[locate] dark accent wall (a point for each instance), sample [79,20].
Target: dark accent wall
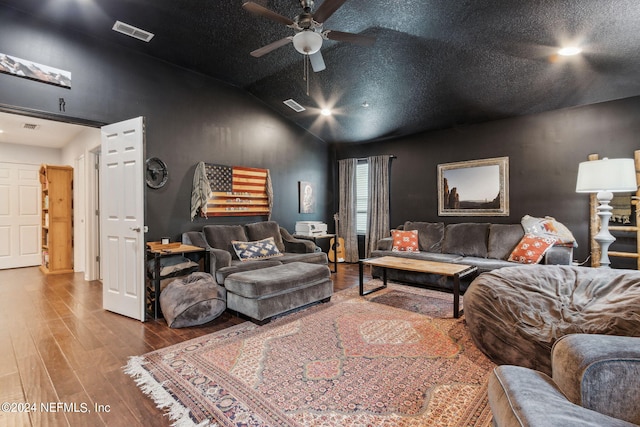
[543,149]
[189,118]
[192,118]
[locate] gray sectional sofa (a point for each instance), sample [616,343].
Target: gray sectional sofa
[484,245]
[267,283]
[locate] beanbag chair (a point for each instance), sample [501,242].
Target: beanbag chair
[192,300]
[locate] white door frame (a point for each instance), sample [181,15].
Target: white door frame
[92,270]
[79,214]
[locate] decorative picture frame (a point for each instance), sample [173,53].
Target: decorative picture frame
[474,188]
[27,69]
[307,197]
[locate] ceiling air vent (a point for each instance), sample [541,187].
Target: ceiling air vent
[30,126]
[294,105]
[132,31]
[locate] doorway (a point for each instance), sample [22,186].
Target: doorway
[33,138]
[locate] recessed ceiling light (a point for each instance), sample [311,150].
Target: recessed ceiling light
[325,112]
[569,51]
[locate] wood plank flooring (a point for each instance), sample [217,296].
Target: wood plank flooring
[62,354]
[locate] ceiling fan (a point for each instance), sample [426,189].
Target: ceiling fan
[309,33]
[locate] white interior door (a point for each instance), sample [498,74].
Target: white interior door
[19,215]
[122,218]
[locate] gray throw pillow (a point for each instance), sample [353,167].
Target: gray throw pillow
[430,235]
[466,239]
[503,238]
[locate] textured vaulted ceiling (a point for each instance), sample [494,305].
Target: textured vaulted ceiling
[435,64]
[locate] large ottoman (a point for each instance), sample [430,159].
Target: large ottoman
[515,314]
[267,292]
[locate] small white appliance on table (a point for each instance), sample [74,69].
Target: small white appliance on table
[311,228]
[314,231]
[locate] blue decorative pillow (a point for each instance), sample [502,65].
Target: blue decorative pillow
[261,249]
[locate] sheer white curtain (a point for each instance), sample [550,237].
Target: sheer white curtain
[347,209]
[378,202]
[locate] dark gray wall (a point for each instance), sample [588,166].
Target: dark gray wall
[543,149]
[189,118]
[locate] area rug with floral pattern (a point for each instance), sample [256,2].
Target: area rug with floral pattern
[350,362]
[408,297]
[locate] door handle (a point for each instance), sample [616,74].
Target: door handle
[135,229]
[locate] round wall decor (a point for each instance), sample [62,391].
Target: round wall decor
[157,173]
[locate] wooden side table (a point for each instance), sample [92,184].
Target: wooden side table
[155,252]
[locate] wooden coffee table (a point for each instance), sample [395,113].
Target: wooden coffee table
[456,271]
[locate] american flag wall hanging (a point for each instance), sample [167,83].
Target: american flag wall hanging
[237,191]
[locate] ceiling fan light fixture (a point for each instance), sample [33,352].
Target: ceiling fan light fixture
[307,42]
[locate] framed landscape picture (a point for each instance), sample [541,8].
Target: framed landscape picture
[474,188]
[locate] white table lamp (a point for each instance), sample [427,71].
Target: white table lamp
[605,177]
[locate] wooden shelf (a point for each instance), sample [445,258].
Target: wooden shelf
[45,270]
[623,228]
[57,219]
[623,254]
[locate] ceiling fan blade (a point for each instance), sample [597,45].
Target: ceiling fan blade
[341,36]
[326,9]
[267,13]
[271,46]
[317,62]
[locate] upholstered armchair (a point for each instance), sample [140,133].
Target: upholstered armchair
[595,382]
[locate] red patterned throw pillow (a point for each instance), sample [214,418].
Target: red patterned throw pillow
[531,249]
[405,241]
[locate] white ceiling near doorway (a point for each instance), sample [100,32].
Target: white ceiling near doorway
[17,129]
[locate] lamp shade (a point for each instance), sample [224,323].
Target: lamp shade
[614,175]
[307,42]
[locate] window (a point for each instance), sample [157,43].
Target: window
[362,195]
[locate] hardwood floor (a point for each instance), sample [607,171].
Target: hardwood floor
[62,354]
